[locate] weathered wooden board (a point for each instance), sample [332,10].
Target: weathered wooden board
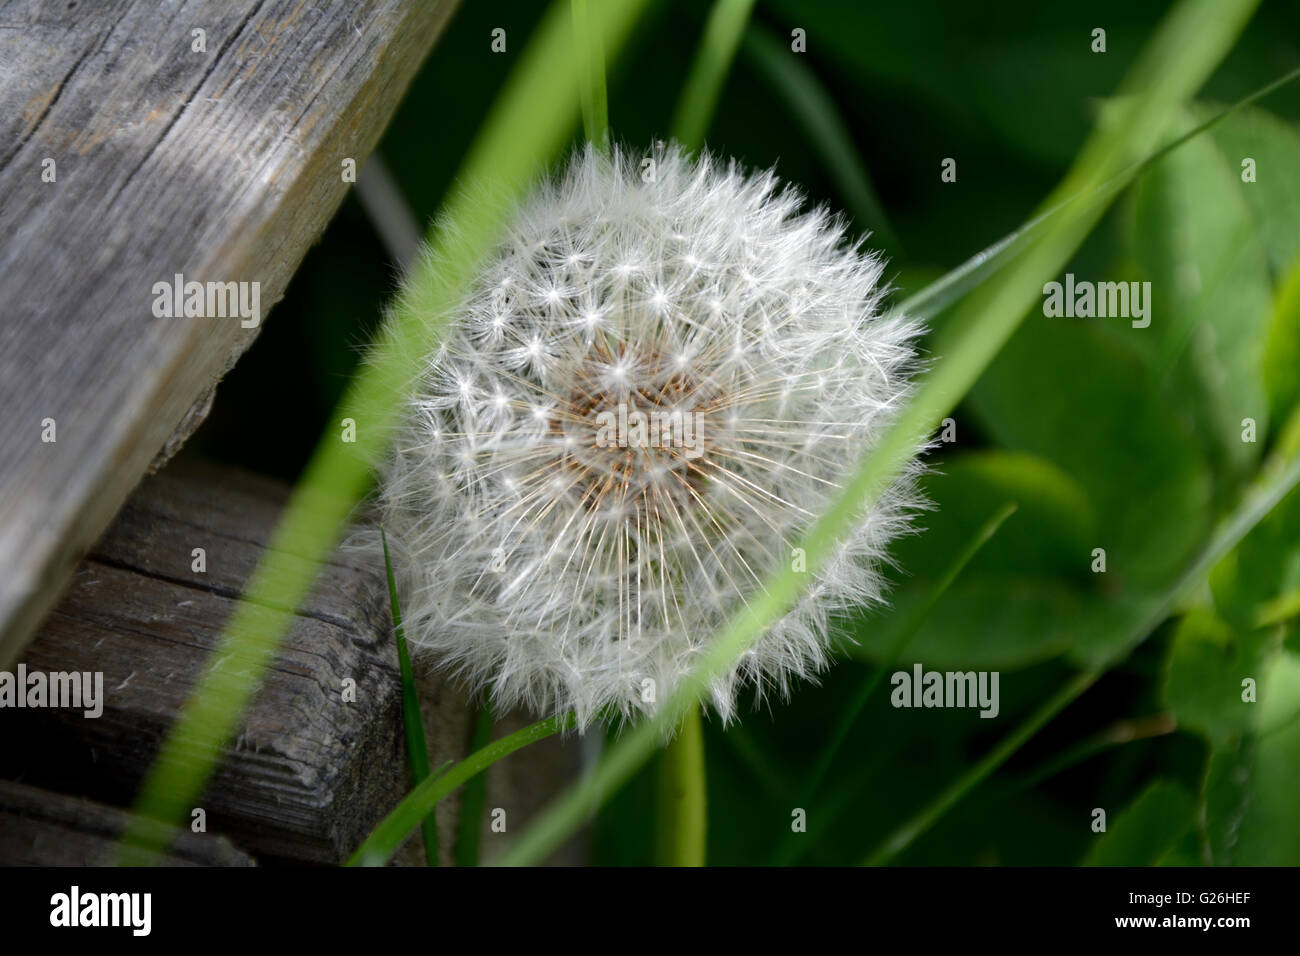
[40,828]
[314,767]
[130,153]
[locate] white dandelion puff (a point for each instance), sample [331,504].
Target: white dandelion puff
[641,407]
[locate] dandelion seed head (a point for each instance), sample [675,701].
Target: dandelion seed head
[735,344]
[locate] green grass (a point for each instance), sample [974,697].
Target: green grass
[811,107]
[474,798]
[709,71]
[417,747]
[383,842]
[1277,480]
[850,714]
[591,73]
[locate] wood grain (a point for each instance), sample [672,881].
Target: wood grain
[311,772]
[222,165]
[40,828]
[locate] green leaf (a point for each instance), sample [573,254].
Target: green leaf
[1252,587]
[1277,480]
[1045,120]
[1195,239]
[1270,829]
[1225,795]
[1146,830]
[989,622]
[384,840]
[911,623]
[591,56]
[1203,683]
[1058,390]
[1282,352]
[1026,595]
[474,799]
[1207,662]
[1274,197]
[929,302]
[1050,533]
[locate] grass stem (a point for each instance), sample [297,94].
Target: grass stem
[709,71]
[591,76]
[416,743]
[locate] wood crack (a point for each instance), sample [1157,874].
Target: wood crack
[51,103]
[190,94]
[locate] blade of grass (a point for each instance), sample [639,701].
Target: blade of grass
[591,73]
[709,71]
[811,106]
[944,291]
[1119,733]
[527,126]
[1187,45]
[384,840]
[904,836]
[474,798]
[416,744]
[1264,495]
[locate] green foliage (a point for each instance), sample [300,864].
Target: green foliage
[1225,795]
[1062,391]
[1270,826]
[1282,350]
[1028,595]
[709,71]
[1208,660]
[1273,198]
[417,747]
[1145,831]
[1229,678]
[811,106]
[1196,241]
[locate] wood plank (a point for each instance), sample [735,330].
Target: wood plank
[311,772]
[40,828]
[219,165]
